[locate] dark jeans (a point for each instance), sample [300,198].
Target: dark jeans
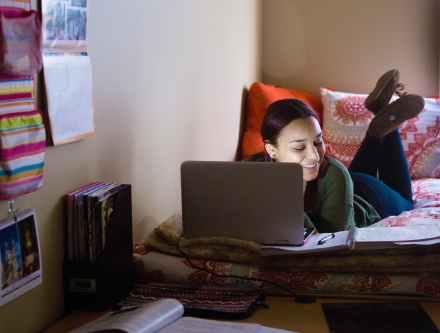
[381,176]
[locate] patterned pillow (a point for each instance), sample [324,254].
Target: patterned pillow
[345,122]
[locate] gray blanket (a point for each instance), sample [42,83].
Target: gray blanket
[419,261]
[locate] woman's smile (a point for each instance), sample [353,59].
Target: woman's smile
[310,166]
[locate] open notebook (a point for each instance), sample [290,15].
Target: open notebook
[255,201]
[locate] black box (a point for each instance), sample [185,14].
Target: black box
[94,286]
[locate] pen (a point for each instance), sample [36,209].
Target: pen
[326,238]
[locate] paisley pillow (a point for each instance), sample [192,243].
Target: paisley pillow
[345,122]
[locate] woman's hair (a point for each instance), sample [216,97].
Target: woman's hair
[280,114]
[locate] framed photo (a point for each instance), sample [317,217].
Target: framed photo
[20,255]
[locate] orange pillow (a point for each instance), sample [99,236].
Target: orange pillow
[260,96]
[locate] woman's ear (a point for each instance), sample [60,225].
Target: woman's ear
[270,149]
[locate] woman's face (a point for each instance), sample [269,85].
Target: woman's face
[300,142]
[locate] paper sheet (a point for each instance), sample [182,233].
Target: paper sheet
[398,234]
[68,81]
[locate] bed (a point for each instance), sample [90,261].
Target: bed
[344,119]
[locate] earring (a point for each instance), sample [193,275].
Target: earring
[274,156]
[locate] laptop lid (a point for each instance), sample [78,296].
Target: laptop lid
[256,201]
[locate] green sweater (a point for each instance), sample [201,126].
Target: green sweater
[339,208]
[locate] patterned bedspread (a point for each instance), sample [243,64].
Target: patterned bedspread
[153,265]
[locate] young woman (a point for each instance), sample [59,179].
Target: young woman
[377,183]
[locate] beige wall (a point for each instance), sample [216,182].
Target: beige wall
[347,44]
[168,80]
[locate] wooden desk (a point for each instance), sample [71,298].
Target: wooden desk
[283,313]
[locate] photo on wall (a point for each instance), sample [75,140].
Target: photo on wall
[64,23]
[20,255]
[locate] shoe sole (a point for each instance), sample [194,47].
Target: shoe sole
[402,109]
[375,102]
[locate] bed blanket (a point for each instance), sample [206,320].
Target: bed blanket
[421,260]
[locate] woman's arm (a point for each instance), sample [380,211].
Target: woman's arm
[335,210]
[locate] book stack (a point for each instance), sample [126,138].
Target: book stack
[89,214]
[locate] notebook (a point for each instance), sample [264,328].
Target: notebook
[255,201]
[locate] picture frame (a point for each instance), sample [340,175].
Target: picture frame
[20,255]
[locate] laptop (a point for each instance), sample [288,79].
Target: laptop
[254,201]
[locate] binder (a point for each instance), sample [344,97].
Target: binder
[94,286]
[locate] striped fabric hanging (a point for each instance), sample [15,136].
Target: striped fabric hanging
[22,151]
